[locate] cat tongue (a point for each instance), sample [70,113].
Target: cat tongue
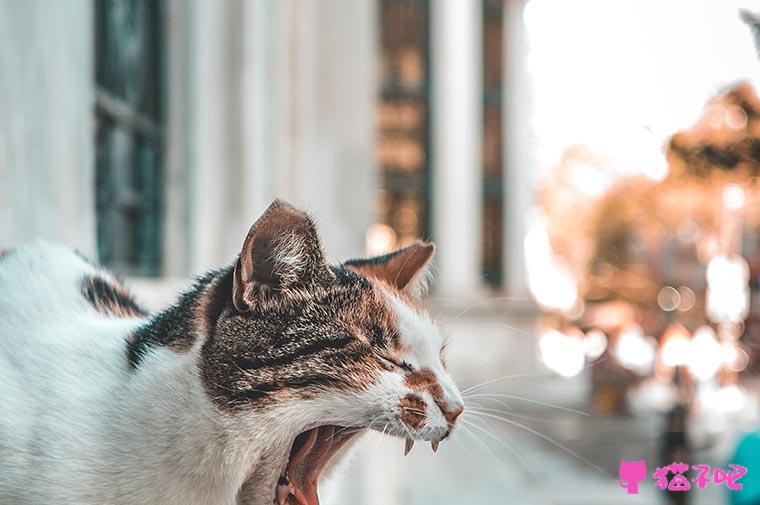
[311,451]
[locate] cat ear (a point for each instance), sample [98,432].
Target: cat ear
[281,250]
[405,269]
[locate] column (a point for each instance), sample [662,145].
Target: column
[457,145]
[519,164]
[47,173]
[309,94]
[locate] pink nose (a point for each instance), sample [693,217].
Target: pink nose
[451,415]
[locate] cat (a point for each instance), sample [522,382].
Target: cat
[247,390]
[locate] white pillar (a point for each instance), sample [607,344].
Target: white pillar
[309,93]
[205,221]
[457,144]
[47,176]
[268,102]
[336,91]
[519,164]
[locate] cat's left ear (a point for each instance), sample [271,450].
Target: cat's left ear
[281,250]
[406,269]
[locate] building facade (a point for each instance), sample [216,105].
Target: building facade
[152,134]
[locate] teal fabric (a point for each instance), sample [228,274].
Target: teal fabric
[748,455]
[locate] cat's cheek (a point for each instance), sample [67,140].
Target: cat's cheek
[383,397]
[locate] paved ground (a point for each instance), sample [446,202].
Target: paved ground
[491,461]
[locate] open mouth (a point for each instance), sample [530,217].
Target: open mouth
[311,452]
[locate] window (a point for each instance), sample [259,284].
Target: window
[493,173]
[403,118]
[129,134]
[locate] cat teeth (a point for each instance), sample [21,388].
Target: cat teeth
[408,446]
[283,491]
[434,445]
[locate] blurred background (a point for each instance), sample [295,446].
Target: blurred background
[588,168]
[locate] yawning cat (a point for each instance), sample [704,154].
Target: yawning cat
[242,392]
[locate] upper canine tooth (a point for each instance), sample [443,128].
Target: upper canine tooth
[408,446]
[434,445]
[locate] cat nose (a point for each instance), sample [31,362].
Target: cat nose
[452,414]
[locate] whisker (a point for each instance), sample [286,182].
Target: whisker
[512,383]
[516,376]
[485,447]
[497,379]
[372,459]
[414,411]
[406,428]
[504,325]
[470,352]
[461,448]
[529,400]
[506,445]
[512,414]
[496,400]
[484,302]
[545,437]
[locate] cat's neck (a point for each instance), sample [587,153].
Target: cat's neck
[185,449]
[168,443]
[191,318]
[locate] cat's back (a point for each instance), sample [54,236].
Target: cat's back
[38,280]
[63,329]
[58,311]
[43,283]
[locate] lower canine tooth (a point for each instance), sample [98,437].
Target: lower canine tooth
[408,446]
[434,445]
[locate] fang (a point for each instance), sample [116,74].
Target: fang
[408,446]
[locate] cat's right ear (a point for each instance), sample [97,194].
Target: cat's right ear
[281,250]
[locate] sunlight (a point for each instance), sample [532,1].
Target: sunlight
[601,79]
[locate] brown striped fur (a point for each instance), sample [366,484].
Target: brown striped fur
[413,411]
[110,297]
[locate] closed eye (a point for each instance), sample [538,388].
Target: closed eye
[398,364]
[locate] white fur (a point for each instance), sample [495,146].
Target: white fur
[423,343]
[78,427]
[290,257]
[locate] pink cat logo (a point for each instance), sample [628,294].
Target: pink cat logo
[631,473]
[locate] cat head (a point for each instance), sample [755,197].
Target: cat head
[331,348]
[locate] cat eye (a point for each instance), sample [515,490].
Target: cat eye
[398,364]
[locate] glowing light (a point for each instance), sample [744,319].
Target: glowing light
[563,354]
[688,231]
[733,356]
[576,311]
[676,346]
[654,394]
[589,179]
[705,353]
[663,94]
[725,400]
[635,351]
[641,152]
[727,288]
[595,344]
[688,299]
[379,239]
[731,330]
[736,118]
[668,298]
[549,281]
[733,196]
